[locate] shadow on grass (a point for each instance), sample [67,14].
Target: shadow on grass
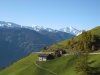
[71,61]
[92,61]
[94,71]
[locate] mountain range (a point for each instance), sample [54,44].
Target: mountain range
[17,41]
[37,28]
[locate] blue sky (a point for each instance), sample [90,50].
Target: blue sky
[81,14]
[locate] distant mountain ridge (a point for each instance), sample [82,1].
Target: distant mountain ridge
[53,34]
[69,30]
[9,24]
[37,28]
[16,43]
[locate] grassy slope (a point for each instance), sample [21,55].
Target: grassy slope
[61,66]
[96,31]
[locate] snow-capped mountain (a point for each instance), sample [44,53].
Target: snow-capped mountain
[8,24]
[37,28]
[52,33]
[41,28]
[71,30]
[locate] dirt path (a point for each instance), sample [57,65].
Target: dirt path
[89,53]
[93,53]
[45,69]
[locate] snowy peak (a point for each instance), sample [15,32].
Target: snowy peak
[8,24]
[38,28]
[71,30]
[41,28]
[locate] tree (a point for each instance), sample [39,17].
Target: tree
[82,65]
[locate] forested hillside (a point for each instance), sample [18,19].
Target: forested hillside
[88,40]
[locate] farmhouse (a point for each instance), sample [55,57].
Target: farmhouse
[43,57]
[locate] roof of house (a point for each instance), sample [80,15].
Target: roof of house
[43,55]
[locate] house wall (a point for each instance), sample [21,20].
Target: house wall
[42,59]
